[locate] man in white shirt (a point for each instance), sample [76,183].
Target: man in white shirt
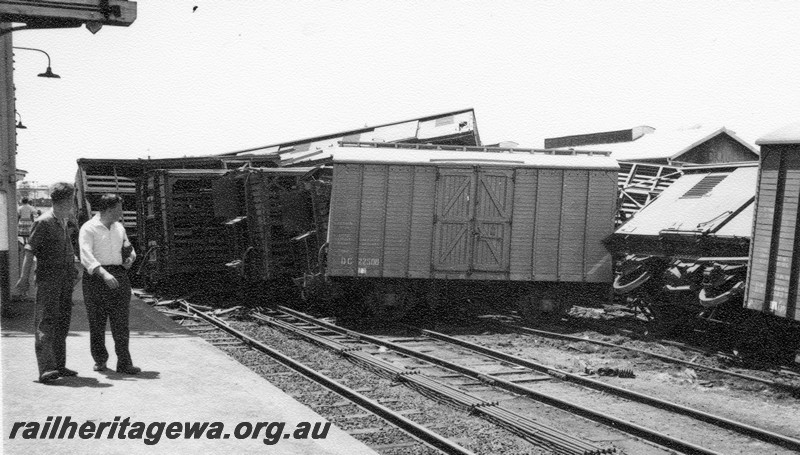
[106,289]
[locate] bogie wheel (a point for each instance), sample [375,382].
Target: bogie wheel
[626,284]
[347,302]
[368,304]
[387,304]
[544,303]
[430,305]
[527,308]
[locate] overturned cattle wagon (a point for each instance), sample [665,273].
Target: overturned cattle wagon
[97,176]
[276,222]
[640,184]
[687,251]
[684,259]
[413,223]
[179,229]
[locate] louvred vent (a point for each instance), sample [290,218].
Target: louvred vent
[704,186]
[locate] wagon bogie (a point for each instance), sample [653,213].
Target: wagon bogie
[375,302]
[552,301]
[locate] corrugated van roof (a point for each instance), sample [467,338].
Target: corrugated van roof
[516,158]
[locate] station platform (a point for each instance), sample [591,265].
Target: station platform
[183,379]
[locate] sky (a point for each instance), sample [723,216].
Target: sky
[234,74]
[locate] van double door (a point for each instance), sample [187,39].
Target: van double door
[473,221]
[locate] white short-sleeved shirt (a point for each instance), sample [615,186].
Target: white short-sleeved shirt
[102,246]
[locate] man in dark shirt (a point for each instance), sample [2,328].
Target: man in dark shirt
[52,243]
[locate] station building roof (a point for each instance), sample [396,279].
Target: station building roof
[647,143]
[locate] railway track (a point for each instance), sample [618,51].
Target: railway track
[538,433]
[554,392]
[645,331]
[207,323]
[221,334]
[788,379]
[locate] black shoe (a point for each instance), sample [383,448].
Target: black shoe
[67,372]
[100,367]
[49,376]
[128,369]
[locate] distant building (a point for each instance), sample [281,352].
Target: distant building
[38,195]
[644,144]
[651,160]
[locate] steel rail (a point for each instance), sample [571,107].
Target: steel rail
[778,385]
[592,325]
[528,429]
[598,416]
[745,429]
[781,370]
[418,431]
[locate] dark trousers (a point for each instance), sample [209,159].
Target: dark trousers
[106,304]
[53,313]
